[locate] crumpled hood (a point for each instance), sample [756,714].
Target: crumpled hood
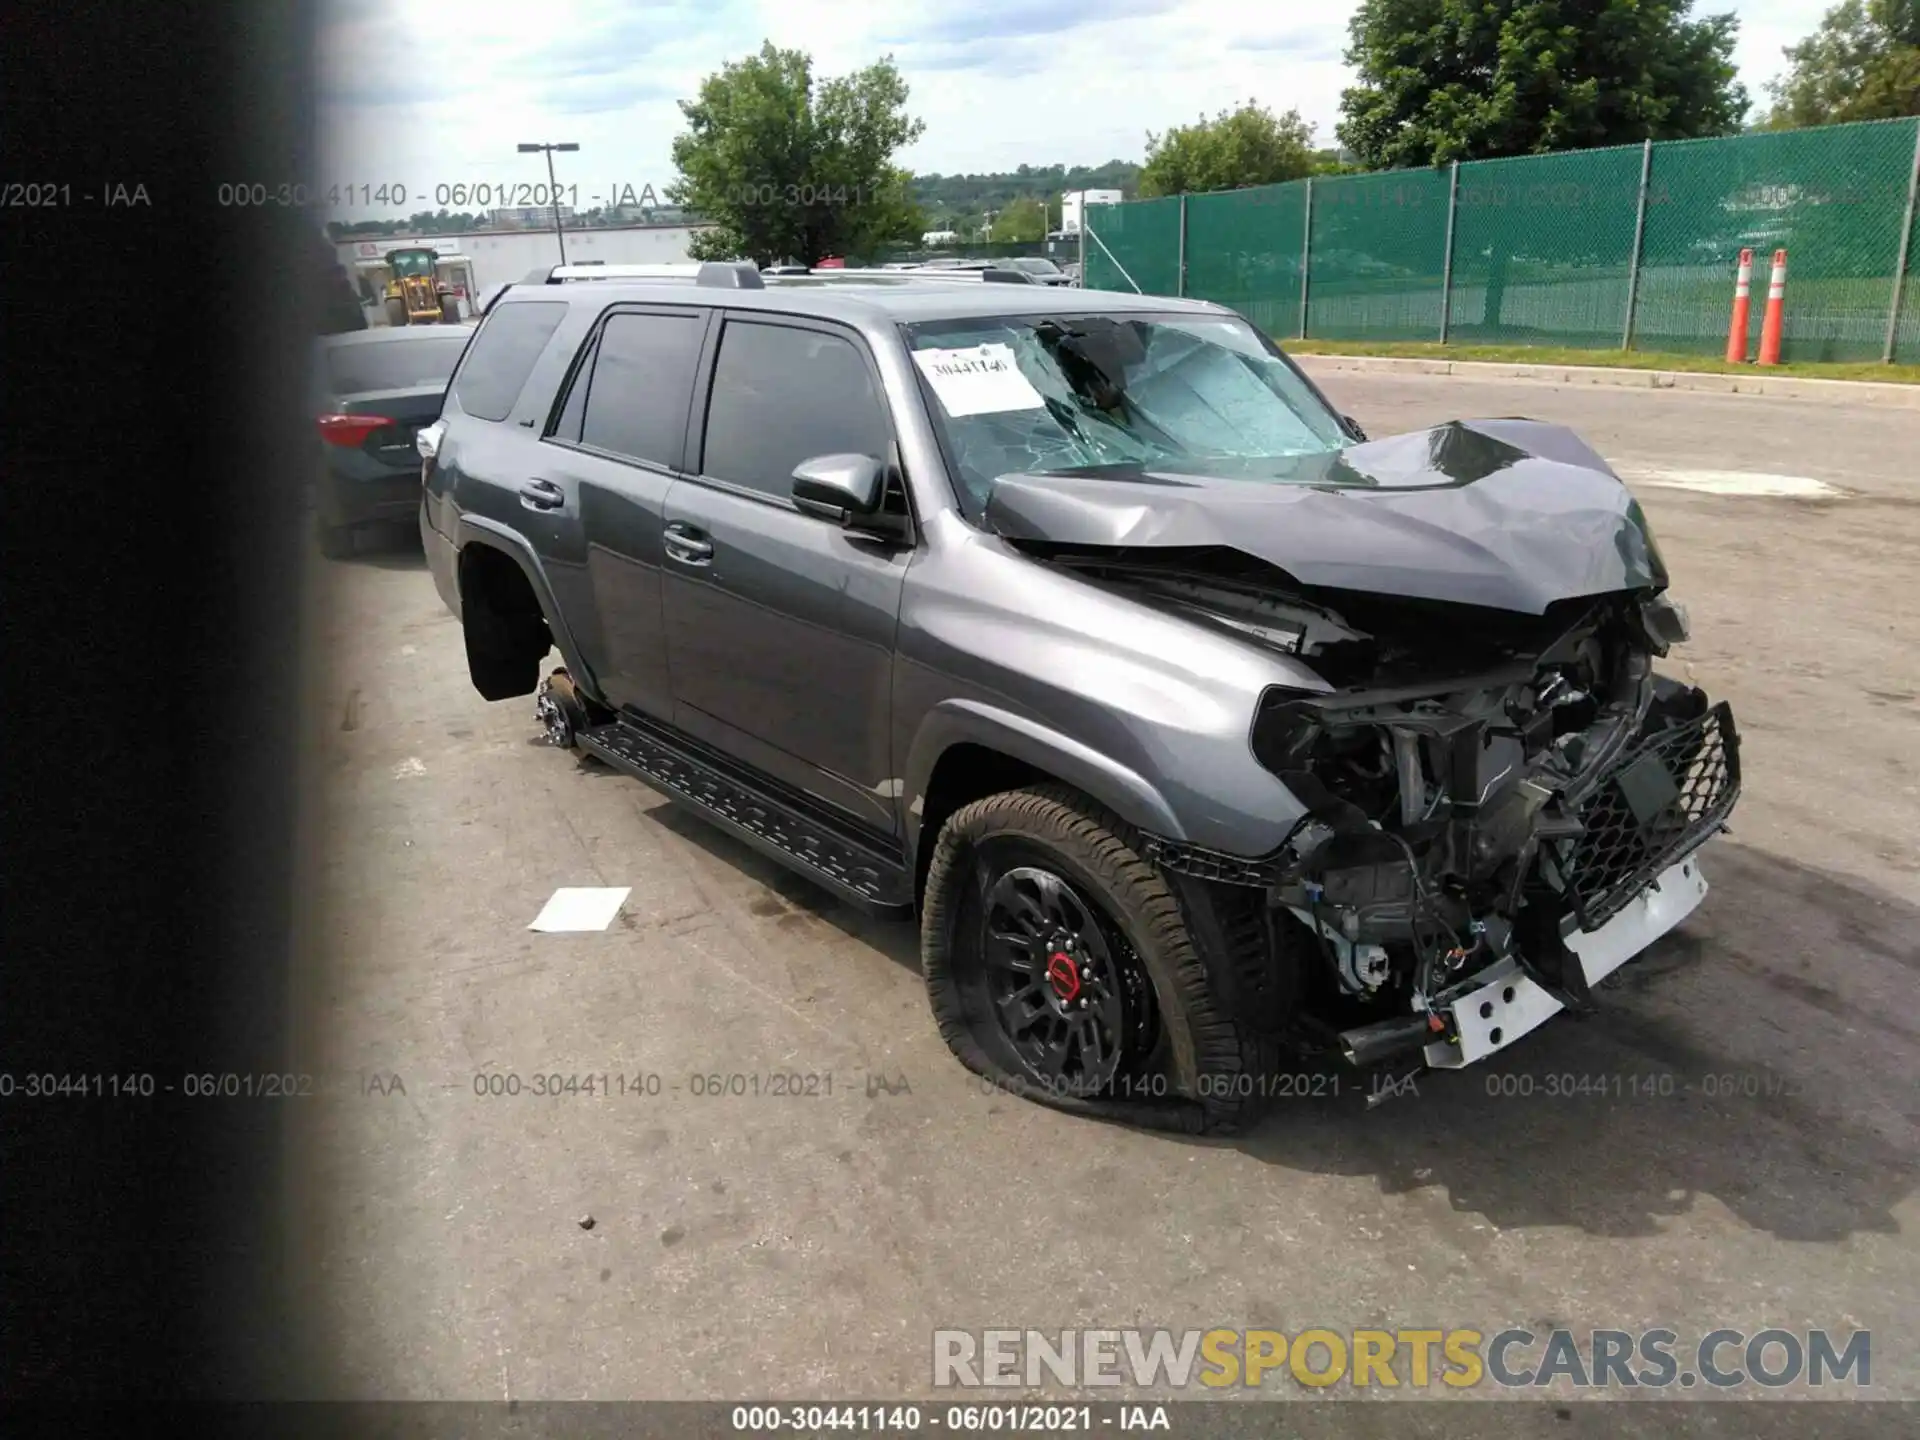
[1511,514]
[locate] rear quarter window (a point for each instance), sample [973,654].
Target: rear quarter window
[503,354]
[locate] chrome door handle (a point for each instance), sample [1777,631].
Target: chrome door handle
[542,495]
[685,546]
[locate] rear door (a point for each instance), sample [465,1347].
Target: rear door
[616,444]
[491,466]
[481,443]
[780,626]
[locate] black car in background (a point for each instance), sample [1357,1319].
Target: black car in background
[375,389]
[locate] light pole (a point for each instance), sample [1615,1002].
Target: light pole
[553,188]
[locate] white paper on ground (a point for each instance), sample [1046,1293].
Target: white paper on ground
[581,908]
[983,380]
[1734,482]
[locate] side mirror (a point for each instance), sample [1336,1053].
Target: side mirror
[840,488]
[1353,425]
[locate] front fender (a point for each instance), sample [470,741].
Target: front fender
[478,529]
[961,722]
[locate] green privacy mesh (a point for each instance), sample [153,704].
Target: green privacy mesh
[1543,246]
[1134,246]
[1378,252]
[1834,199]
[1244,249]
[1542,249]
[1906,342]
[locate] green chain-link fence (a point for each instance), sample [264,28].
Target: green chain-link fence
[1543,248]
[1243,252]
[1627,247]
[1135,246]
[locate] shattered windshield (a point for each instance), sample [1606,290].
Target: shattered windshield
[1087,394]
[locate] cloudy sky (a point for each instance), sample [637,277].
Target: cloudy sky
[424,93]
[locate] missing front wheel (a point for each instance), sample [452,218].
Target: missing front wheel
[559,710]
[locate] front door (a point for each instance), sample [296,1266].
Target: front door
[781,626]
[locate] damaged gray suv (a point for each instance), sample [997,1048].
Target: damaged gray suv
[1196,729]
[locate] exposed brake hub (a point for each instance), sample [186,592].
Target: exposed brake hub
[559,711]
[1063,975]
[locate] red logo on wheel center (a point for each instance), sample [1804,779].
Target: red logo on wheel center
[1064,974]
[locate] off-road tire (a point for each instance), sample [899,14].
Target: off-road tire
[449,310]
[396,312]
[1221,998]
[504,649]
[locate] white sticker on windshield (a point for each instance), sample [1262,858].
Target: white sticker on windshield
[984,380]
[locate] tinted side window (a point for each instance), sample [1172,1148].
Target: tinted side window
[642,380]
[503,355]
[782,395]
[575,410]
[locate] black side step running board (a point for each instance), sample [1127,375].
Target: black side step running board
[859,872]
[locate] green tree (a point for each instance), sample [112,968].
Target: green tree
[1235,149]
[1863,63]
[1444,80]
[893,216]
[784,168]
[959,200]
[1023,221]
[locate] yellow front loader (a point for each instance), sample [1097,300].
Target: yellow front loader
[416,295]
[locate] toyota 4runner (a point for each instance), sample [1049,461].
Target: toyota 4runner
[1193,726]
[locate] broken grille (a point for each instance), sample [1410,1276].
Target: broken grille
[1203,864]
[1667,795]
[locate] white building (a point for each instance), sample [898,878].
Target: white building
[527,215]
[940,237]
[1074,203]
[495,257]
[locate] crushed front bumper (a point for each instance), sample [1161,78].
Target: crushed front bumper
[1631,876]
[1509,1004]
[1610,866]
[1659,802]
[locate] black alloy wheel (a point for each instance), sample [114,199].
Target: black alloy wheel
[1064,968]
[1063,991]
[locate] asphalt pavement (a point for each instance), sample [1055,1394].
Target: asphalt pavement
[743,1241]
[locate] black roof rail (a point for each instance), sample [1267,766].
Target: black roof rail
[730,275]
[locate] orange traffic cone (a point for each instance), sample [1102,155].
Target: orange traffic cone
[1742,311]
[1776,306]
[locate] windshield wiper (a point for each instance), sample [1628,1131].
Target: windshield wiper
[1063,412]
